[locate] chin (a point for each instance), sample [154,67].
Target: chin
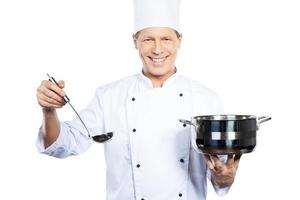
[158,71]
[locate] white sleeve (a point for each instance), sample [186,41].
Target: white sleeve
[73,137]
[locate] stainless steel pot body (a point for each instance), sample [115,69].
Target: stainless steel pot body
[225,134]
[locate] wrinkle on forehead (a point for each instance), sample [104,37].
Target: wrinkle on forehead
[155,32]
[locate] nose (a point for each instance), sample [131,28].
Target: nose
[157,48]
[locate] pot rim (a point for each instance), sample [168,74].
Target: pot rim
[230,117]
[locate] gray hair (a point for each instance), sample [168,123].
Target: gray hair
[136,35]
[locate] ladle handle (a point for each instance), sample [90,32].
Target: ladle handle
[66,98]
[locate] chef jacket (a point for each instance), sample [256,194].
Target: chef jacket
[150,156]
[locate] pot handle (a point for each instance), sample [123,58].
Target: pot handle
[262,119]
[192,134]
[187,122]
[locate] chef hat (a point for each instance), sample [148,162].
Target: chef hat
[156,13]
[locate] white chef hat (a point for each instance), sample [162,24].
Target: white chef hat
[156,13]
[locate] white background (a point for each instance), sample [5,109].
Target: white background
[247,51]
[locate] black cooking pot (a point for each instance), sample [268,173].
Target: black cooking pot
[225,134]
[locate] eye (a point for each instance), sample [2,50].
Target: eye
[147,40]
[167,39]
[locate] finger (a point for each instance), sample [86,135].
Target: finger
[45,104]
[218,162]
[237,156]
[209,163]
[237,159]
[230,160]
[50,94]
[61,84]
[207,158]
[43,97]
[52,86]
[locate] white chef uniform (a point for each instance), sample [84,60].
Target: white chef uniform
[150,155]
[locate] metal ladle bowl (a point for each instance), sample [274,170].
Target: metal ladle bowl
[97,138]
[103,137]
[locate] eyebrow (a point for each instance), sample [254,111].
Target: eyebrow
[168,36]
[136,35]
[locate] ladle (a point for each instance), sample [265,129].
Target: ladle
[97,138]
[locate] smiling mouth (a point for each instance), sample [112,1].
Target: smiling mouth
[158,60]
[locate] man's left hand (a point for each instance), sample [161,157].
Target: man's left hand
[222,174]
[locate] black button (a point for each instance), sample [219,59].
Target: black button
[180,194]
[138,165]
[142,199]
[184,125]
[134,130]
[133,99]
[180,94]
[182,160]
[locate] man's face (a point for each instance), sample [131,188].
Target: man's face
[157,49]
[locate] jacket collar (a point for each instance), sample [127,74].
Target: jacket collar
[147,83]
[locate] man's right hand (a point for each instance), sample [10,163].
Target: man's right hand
[50,96]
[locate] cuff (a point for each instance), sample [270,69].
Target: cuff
[53,149]
[221,191]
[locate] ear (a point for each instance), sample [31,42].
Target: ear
[179,40]
[134,41]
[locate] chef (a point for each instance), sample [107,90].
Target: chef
[150,156]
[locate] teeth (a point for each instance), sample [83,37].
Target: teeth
[158,59]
